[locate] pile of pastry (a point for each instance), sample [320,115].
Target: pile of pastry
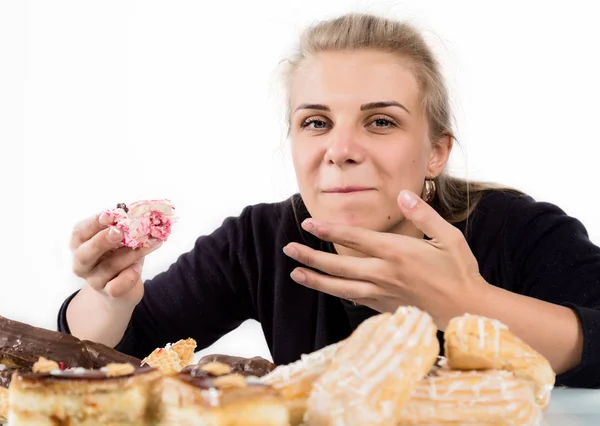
[386,373]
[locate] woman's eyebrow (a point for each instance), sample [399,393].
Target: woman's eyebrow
[383,104]
[319,107]
[364,107]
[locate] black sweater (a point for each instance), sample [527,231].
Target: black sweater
[239,272]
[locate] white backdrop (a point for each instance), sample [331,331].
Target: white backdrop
[104,102]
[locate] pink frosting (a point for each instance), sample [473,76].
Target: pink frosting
[145,223]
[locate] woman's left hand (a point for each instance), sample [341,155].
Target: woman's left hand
[439,276]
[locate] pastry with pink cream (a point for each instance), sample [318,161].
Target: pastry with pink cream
[143,223]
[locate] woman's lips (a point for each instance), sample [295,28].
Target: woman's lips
[347,190]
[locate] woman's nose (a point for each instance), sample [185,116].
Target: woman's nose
[343,149]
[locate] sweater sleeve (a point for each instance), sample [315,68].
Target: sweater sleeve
[550,257]
[203,295]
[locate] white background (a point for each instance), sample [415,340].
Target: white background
[105,102]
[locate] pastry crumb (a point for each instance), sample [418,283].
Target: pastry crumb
[216,368]
[44,365]
[231,381]
[115,370]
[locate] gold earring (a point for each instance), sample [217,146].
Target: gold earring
[429,190]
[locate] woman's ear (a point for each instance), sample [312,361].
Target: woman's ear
[440,154]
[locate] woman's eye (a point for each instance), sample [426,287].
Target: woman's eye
[314,124]
[383,122]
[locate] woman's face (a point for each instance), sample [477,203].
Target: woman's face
[359,137]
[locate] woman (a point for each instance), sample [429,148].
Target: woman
[377,224]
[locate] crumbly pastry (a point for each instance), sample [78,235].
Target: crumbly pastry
[295,381]
[200,399]
[173,357]
[115,395]
[478,343]
[373,374]
[143,223]
[483,398]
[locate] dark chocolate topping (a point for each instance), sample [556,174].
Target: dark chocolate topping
[102,355]
[255,366]
[197,378]
[6,376]
[123,206]
[22,344]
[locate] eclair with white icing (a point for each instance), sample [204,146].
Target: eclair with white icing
[478,343]
[373,374]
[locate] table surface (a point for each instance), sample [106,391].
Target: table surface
[573,407]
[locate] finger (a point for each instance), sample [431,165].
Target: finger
[363,269]
[340,287]
[372,243]
[87,255]
[125,281]
[426,219]
[87,228]
[115,263]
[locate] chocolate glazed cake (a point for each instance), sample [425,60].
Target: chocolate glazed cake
[21,346]
[102,355]
[255,366]
[115,395]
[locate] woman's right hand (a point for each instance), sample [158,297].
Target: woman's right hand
[107,266]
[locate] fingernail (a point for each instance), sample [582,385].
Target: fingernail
[104,219]
[290,251]
[114,235]
[298,276]
[308,224]
[137,268]
[408,199]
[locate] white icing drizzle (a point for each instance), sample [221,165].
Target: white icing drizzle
[2,367]
[481,326]
[253,380]
[73,370]
[496,339]
[432,389]
[211,396]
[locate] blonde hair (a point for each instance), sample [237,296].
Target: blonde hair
[455,198]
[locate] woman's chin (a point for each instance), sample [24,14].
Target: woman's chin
[372,218]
